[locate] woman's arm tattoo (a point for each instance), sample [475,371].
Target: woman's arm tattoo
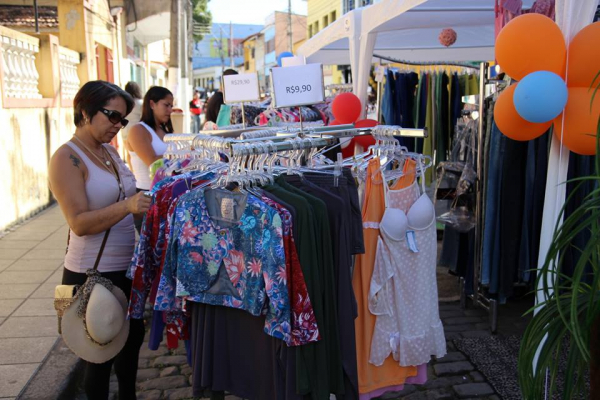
[76,161]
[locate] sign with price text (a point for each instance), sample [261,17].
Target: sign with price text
[240,88]
[298,85]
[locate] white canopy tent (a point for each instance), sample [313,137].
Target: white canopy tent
[409,29]
[405,30]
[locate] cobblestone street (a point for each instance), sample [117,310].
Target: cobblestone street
[164,374]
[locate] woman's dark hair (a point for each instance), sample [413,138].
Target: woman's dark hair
[133,89]
[156,94]
[93,96]
[212,108]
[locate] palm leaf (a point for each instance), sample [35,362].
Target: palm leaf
[562,323]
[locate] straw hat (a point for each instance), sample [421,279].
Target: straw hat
[106,322]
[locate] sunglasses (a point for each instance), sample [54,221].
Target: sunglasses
[115,117]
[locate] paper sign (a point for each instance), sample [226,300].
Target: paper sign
[298,85]
[379,71]
[240,88]
[293,61]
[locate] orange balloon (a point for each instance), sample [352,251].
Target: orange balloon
[584,57]
[510,122]
[531,42]
[580,122]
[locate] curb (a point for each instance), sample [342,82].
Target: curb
[57,377]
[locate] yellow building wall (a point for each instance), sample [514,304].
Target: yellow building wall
[85,24]
[32,135]
[34,129]
[249,61]
[320,14]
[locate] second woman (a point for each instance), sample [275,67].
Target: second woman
[145,139]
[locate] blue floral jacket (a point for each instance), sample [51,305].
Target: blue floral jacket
[251,253]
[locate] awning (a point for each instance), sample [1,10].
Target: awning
[406,30]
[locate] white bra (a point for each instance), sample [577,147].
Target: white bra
[395,222]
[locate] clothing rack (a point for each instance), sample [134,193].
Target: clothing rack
[478,297]
[423,63]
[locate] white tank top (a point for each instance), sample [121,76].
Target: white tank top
[102,190]
[140,169]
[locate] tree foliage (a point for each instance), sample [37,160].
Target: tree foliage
[202,18]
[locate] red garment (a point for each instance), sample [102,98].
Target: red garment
[505,11]
[303,321]
[196,107]
[544,7]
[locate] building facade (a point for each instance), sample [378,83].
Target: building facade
[40,73]
[260,50]
[222,48]
[321,13]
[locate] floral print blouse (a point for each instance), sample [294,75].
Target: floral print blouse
[251,254]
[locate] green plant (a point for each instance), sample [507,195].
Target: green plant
[568,321]
[202,19]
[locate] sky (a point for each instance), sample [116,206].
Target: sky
[251,11]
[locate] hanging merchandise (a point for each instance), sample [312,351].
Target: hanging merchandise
[242,238]
[455,187]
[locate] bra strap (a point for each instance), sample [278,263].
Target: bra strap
[421,172]
[385,188]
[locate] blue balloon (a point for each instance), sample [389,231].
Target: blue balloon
[540,96]
[283,55]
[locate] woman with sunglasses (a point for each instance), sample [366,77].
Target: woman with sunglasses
[96,192]
[146,137]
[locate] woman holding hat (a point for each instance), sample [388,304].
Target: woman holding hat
[97,194]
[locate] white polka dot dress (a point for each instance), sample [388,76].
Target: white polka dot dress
[403,293]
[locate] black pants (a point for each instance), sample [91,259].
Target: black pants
[97,376]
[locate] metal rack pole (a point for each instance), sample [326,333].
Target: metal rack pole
[479,299]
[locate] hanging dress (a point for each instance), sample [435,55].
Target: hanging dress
[390,373]
[403,291]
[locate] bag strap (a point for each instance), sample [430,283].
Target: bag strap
[101,249]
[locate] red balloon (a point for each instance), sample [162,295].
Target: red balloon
[335,122]
[365,123]
[346,108]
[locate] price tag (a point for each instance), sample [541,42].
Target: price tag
[298,85]
[379,71]
[240,88]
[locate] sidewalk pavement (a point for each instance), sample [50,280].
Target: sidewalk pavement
[33,360]
[31,259]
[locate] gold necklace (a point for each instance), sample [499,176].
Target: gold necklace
[105,163]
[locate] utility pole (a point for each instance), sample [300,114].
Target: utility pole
[231,49]
[174,71]
[221,48]
[290,26]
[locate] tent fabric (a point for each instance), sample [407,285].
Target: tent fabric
[405,30]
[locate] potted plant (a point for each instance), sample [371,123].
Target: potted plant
[567,323]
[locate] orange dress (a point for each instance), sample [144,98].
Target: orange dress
[371,377]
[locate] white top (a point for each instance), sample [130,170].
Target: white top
[102,190]
[403,292]
[140,169]
[134,117]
